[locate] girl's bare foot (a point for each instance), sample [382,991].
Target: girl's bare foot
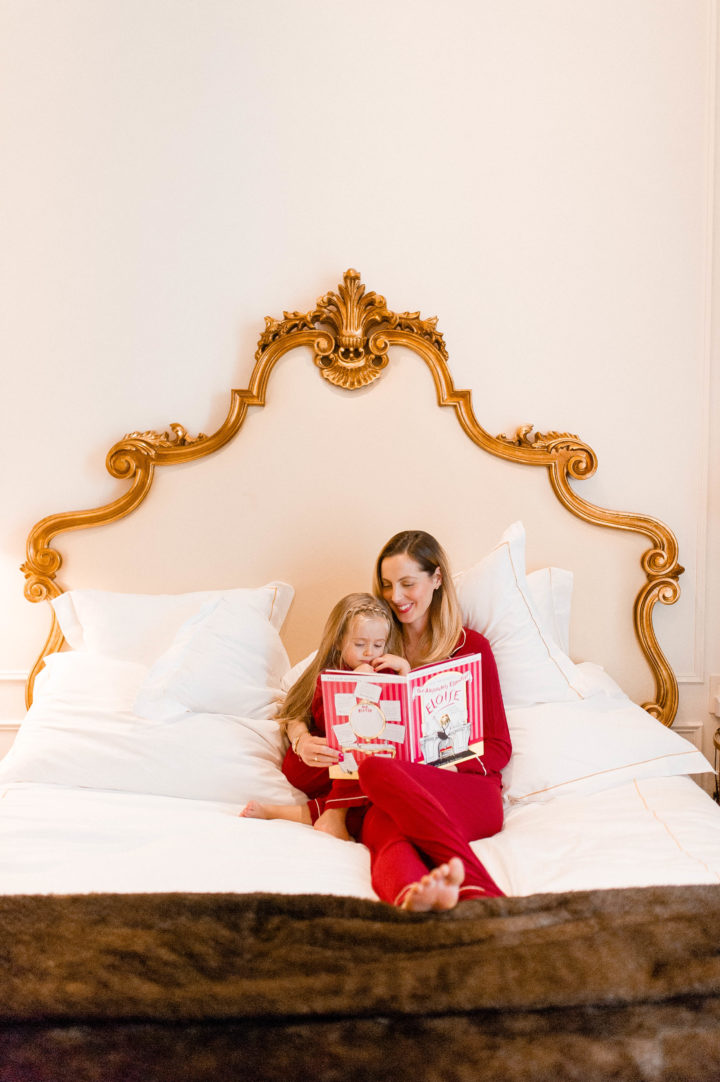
[439,889]
[293,813]
[332,821]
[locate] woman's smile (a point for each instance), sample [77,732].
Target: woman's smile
[407,588]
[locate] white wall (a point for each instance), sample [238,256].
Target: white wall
[538,173]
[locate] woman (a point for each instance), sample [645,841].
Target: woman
[420,819]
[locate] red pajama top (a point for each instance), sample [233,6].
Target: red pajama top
[325,792]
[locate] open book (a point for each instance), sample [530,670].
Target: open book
[433,715]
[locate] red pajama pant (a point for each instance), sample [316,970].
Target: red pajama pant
[421,816]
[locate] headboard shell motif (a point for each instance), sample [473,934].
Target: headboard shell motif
[350,333]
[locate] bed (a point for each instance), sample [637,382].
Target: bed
[152,932]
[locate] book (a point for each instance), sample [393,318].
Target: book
[433,715]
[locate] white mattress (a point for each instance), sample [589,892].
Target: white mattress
[55,839]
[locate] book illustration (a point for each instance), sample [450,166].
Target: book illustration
[432,716]
[444,710]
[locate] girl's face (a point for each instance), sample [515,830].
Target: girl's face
[408,589]
[364,640]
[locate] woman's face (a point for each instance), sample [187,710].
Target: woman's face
[408,589]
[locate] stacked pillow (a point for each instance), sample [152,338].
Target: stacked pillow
[166,694]
[573,730]
[496,599]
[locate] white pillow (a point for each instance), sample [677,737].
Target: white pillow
[495,600]
[226,659]
[140,627]
[598,682]
[551,590]
[81,732]
[607,740]
[293,675]
[78,679]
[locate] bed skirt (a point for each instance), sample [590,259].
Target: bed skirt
[621,984]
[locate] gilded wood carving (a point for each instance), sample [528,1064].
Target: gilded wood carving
[350,332]
[354,351]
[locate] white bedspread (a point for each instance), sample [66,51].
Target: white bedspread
[649,831]
[62,840]
[55,839]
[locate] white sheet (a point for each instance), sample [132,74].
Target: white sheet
[61,840]
[645,832]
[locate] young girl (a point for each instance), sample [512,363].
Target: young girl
[357,635]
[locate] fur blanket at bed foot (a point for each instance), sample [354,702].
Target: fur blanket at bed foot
[601,985]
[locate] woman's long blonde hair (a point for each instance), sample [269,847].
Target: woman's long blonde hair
[444,616]
[329,654]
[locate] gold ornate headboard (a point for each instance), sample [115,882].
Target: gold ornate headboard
[350,333]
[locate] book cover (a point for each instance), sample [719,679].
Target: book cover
[433,715]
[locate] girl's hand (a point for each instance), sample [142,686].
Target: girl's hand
[315,751]
[363,668]
[400,665]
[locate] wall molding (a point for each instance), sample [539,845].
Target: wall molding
[692,731]
[14,675]
[712,114]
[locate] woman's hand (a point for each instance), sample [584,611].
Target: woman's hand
[315,751]
[400,665]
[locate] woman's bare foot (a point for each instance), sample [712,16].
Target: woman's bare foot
[439,889]
[254,810]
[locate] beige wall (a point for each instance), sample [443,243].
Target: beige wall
[538,173]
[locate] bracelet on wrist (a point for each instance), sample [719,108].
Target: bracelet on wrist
[297,740]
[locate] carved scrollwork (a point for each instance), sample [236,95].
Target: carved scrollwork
[290,324]
[41,567]
[352,349]
[580,460]
[347,358]
[177,436]
[426,329]
[45,563]
[137,451]
[525,437]
[39,587]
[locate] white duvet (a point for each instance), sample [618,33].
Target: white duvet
[62,840]
[96,797]
[645,832]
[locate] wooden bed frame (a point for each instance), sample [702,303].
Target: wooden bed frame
[350,333]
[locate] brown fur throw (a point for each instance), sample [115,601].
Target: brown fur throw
[599,985]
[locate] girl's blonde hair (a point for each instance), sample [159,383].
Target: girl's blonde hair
[329,654]
[445,616]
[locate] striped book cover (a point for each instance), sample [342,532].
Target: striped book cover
[433,715]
